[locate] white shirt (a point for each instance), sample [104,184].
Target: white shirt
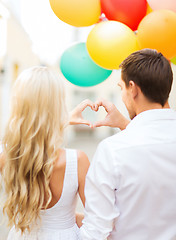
[131,184]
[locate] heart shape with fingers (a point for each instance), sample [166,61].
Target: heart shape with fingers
[113,118]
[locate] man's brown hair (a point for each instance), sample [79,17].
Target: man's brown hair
[151,71]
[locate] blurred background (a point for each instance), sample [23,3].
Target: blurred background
[30,34]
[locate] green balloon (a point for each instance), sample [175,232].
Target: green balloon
[79,69]
[173,60]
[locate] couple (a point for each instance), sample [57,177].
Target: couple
[130,189]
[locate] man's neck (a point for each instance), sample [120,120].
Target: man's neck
[148,106]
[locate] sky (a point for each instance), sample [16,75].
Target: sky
[50,36]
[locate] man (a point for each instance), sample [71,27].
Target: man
[131,184]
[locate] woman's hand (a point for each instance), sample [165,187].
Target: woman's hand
[113,118]
[76,114]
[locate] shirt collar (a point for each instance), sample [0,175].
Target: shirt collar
[152,115]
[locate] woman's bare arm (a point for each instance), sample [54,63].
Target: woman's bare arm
[83,166]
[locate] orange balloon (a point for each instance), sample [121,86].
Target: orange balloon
[157,31]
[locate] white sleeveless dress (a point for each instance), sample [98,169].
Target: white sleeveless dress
[58,222]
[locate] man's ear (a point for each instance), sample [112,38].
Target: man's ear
[134,89]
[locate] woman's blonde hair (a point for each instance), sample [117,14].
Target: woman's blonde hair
[33,136]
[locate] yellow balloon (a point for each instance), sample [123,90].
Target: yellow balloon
[110,42]
[78,13]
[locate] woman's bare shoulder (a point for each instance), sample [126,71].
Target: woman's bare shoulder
[61,160]
[82,157]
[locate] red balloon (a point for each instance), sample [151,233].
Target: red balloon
[129,12]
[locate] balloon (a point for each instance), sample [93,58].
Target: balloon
[162,4]
[79,13]
[110,42]
[129,12]
[78,68]
[149,10]
[173,60]
[157,30]
[102,18]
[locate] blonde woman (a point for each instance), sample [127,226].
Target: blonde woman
[41,178]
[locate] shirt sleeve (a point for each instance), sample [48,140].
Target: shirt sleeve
[100,208]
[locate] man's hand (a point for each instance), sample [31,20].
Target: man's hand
[113,118]
[76,114]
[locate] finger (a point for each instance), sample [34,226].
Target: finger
[91,126]
[85,104]
[99,124]
[84,122]
[97,104]
[104,103]
[95,107]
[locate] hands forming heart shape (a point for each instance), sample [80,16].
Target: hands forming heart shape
[113,118]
